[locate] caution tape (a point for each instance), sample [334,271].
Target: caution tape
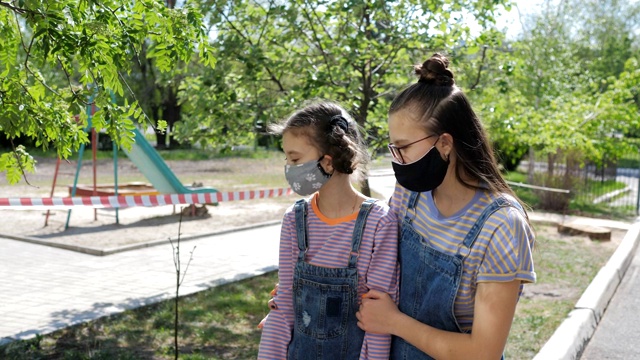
[143,200]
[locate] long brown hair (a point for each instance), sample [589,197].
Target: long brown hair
[443,108]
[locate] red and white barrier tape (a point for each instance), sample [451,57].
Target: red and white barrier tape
[143,200]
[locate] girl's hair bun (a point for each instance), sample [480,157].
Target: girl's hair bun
[435,71]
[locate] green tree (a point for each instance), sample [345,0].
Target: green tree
[606,34]
[359,52]
[558,88]
[58,57]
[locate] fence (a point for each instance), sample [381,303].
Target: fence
[609,188]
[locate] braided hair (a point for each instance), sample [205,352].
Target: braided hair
[333,132]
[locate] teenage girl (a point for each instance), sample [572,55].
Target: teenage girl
[465,249]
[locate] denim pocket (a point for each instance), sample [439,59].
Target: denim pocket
[321,310]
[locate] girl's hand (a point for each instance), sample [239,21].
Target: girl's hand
[272,306]
[378,313]
[264,320]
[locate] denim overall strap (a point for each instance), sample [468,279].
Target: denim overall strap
[300,208]
[465,247]
[411,204]
[358,230]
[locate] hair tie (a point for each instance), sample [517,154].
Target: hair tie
[340,121]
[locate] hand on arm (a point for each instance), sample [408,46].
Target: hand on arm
[378,313]
[382,276]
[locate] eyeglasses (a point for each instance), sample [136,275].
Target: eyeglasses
[397,154]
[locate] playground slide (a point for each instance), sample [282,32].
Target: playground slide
[152,166]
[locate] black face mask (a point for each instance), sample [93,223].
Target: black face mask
[425,174]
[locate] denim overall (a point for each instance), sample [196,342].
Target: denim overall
[326,299]
[429,279]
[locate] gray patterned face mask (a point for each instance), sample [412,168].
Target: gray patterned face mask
[307,178]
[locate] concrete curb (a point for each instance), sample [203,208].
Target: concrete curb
[573,334]
[104,252]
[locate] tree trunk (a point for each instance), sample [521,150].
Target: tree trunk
[171,113]
[532,165]
[551,161]
[364,187]
[161,136]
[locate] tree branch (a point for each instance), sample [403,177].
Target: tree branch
[137,55]
[15,153]
[24,46]
[391,56]
[42,82]
[136,99]
[16,9]
[266,19]
[248,40]
[319,45]
[234,28]
[184,274]
[484,53]
[66,73]
[322,25]
[27,50]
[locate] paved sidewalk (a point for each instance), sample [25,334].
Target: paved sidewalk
[618,334]
[45,289]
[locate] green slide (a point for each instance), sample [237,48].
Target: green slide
[152,166]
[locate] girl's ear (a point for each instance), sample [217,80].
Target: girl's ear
[445,145]
[327,164]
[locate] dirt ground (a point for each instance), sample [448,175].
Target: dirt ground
[97,229]
[545,290]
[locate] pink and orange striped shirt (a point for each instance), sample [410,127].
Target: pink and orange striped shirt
[329,246]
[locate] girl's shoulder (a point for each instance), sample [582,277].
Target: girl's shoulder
[513,213]
[381,211]
[511,202]
[290,212]
[379,205]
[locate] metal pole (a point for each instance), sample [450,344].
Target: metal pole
[75,180]
[115,162]
[80,154]
[94,151]
[638,193]
[53,187]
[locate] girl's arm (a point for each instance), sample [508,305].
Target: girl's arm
[494,310]
[382,275]
[276,332]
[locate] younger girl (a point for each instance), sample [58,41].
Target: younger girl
[334,246]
